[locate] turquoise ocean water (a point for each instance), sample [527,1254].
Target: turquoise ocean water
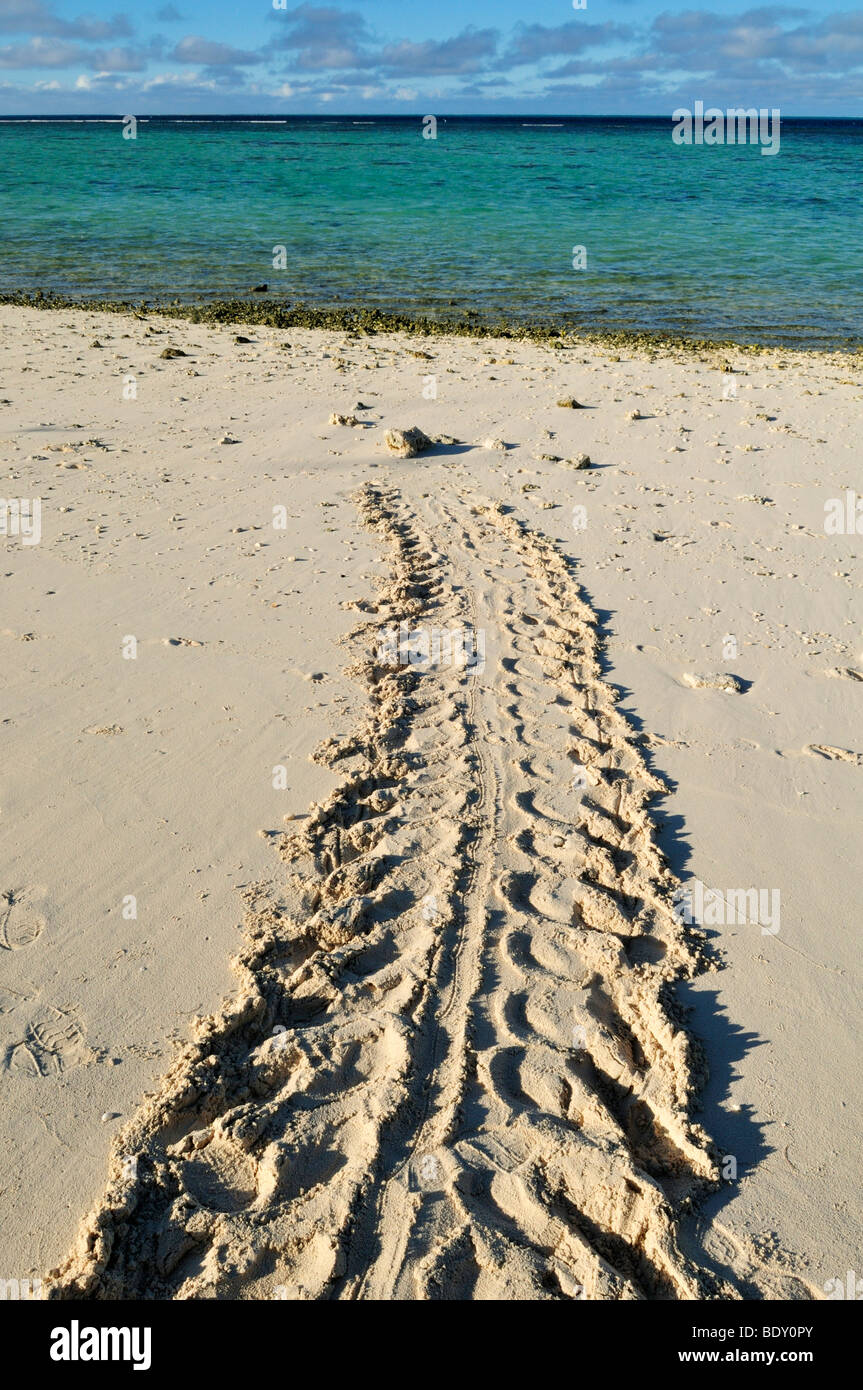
[715,241]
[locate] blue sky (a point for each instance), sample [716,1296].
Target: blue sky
[419,56]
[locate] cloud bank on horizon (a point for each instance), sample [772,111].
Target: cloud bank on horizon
[490,56]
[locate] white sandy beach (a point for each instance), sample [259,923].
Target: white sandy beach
[467,955]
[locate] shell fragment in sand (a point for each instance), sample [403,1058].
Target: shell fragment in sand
[845,673]
[842,755]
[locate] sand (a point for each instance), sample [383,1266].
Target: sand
[339,963]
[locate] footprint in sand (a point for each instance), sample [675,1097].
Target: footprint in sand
[10,998]
[51,1044]
[20,925]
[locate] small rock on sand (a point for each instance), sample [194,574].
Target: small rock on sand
[719,681]
[496,444]
[580,461]
[172,352]
[633,415]
[336,419]
[407,443]
[570,403]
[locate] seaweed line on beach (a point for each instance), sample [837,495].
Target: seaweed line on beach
[368,320]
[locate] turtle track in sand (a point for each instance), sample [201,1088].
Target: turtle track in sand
[453,1067]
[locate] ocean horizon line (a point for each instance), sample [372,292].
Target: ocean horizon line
[267,117]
